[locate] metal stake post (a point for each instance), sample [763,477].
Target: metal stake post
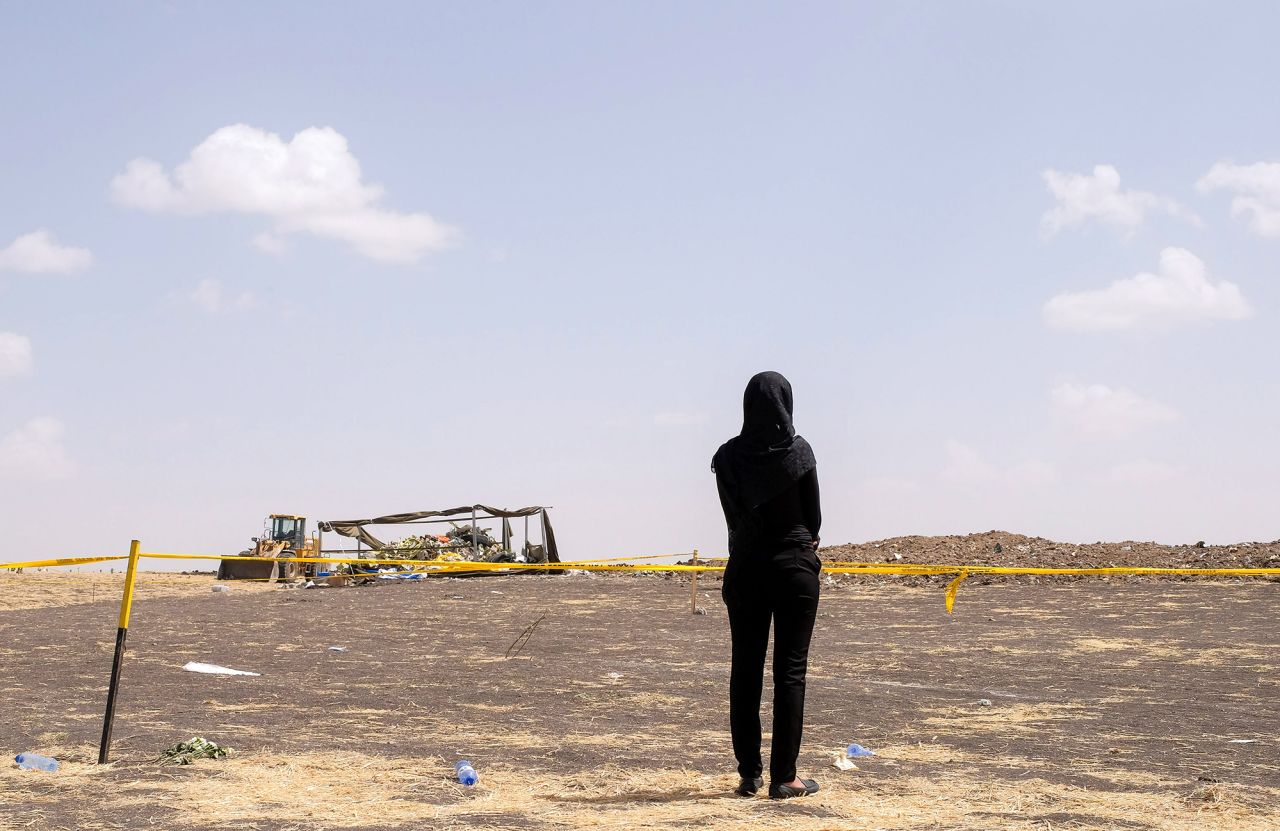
[694,609]
[475,539]
[122,632]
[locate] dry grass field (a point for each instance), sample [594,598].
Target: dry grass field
[1112,705]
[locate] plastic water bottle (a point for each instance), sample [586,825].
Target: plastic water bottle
[857,751]
[466,773]
[34,761]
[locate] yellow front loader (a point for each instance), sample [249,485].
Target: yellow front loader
[285,535]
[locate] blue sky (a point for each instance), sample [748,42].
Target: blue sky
[347,261]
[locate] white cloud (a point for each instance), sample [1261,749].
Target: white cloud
[210,295]
[1257,189]
[15,355]
[39,253]
[1081,197]
[311,184]
[1180,293]
[1100,411]
[966,467]
[270,243]
[35,451]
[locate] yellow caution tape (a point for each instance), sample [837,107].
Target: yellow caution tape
[961,572]
[64,561]
[644,557]
[438,561]
[952,588]
[442,565]
[917,569]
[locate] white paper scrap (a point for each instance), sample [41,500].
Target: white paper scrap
[214,669]
[842,762]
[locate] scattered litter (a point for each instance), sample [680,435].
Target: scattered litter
[615,676]
[984,702]
[214,669]
[34,761]
[699,610]
[857,751]
[1242,741]
[310,584]
[842,762]
[495,591]
[196,747]
[221,589]
[465,773]
[337,649]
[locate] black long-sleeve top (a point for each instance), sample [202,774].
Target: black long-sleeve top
[792,519]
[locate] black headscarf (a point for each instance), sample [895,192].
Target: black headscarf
[765,459]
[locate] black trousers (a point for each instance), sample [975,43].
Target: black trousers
[782,588]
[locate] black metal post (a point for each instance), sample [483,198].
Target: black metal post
[104,749]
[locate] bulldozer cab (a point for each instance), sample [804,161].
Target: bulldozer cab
[288,529]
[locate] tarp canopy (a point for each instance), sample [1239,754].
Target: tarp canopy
[356,528]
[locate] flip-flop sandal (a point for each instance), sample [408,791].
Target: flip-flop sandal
[748,787]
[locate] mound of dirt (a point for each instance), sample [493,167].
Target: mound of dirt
[1002,548]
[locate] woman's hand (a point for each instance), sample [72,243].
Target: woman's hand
[814,544]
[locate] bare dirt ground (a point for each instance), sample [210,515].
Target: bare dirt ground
[60,587]
[1113,705]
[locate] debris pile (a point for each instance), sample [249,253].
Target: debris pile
[468,540]
[1001,548]
[462,544]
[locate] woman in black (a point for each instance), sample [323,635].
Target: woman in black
[768,482]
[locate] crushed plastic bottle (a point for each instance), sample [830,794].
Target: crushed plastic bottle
[466,773]
[857,751]
[34,761]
